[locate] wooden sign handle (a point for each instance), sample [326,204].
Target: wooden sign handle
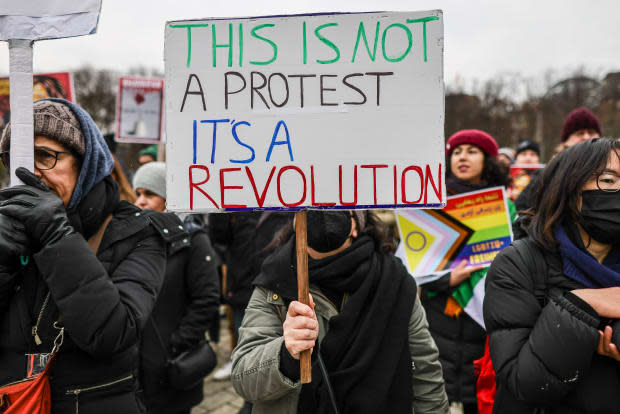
[303,289]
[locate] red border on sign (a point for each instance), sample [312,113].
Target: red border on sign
[119,97]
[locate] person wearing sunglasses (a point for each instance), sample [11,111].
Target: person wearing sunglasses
[552,299]
[73,256]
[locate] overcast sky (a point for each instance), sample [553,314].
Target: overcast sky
[483,38]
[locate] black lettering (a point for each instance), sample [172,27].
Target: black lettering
[285,86]
[256,88]
[323,103]
[301,85]
[226,92]
[188,92]
[355,88]
[378,75]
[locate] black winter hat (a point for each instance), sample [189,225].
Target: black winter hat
[526,144]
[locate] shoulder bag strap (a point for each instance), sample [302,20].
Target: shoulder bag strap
[95,240]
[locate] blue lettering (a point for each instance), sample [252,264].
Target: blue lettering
[214,122]
[274,142]
[236,137]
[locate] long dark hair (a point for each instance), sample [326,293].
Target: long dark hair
[494,173]
[559,188]
[373,226]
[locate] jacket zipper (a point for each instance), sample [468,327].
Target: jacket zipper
[77,391]
[35,328]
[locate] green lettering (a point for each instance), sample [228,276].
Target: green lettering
[402,56]
[327,42]
[361,33]
[273,45]
[423,20]
[240,44]
[189,37]
[305,44]
[229,45]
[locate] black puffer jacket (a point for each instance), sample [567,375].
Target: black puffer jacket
[186,306]
[460,341]
[543,339]
[104,301]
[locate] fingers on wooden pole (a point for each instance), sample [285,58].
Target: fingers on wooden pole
[303,289]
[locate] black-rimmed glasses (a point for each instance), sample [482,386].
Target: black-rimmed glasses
[608,181]
[44,158]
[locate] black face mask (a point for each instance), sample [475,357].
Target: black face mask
[328,230]
[600,215]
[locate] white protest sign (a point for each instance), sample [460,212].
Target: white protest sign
[49,19]
[139,110]
[21,23]
[307,111]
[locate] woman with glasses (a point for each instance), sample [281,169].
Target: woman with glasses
[77,266]
[552,299]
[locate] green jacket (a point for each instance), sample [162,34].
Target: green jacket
[256,360]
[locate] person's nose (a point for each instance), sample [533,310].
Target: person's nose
[140,202]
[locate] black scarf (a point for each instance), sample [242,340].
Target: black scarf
[456,186]
[88,216]
[366,349]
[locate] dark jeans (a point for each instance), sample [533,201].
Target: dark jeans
[237,315]
[471,408]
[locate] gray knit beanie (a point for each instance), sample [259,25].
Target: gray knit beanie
[53,120]
[152,177]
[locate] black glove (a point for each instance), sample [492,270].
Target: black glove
[13,241]
[615,334]
[41,211]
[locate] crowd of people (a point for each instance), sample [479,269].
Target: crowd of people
[117,299]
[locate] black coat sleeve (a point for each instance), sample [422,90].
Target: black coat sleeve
[203,288]
[7,287]
[538,353]
[441,285]
[220,228]
[103,313]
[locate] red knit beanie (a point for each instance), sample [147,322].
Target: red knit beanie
[473,137]
[580,118]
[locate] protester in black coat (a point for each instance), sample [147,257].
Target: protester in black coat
[189,299]
[245,235]
[460,339]
[103,299]
[551,304]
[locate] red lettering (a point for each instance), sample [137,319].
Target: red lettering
[438,189]
[224,187]
[354,203]
[193,185]
[374,177]
[395,187]
[303,197]
[404,185]
[314,203]
[259,200]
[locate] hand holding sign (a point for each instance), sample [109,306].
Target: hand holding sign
[305,112]
[461,272]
